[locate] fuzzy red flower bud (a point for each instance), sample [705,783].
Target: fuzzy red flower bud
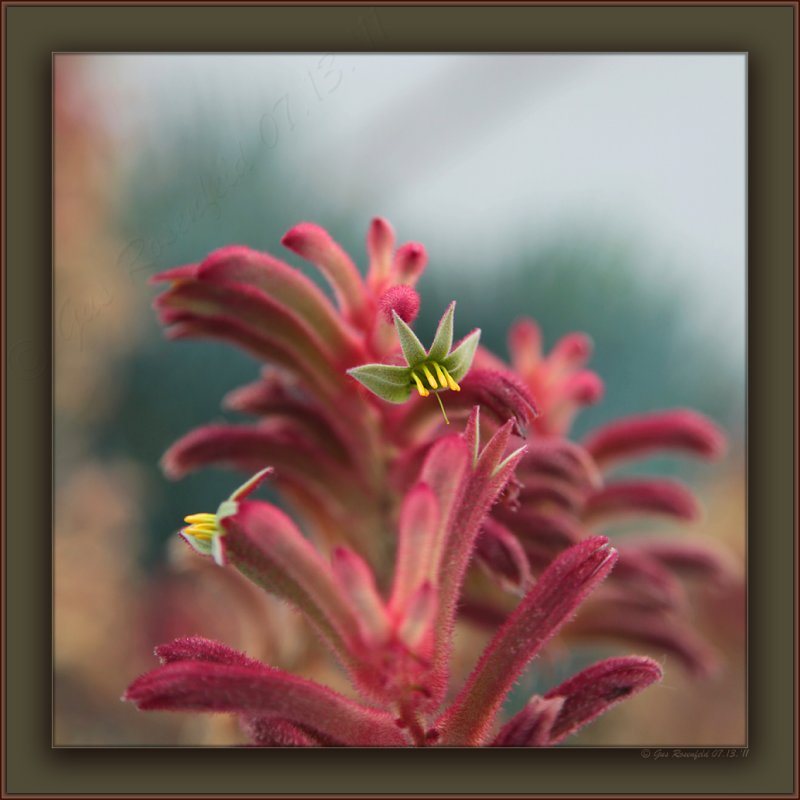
[401,300]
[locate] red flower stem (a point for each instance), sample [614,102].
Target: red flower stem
[413,726]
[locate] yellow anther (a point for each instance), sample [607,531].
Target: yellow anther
[450,382]
[201,526]
[209,529]
[429,376]
[439,375]
[194,519]
[420,388]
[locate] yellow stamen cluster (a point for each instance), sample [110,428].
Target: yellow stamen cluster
[201,526]
[442,381]
[445,380]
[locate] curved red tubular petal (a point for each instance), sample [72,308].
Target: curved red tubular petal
[266,692]
[593,691]
[679,431]
[540,615]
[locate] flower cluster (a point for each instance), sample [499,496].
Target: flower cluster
[568,491]
[393,508]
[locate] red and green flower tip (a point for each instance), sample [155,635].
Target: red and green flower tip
[436,370]
[205,531]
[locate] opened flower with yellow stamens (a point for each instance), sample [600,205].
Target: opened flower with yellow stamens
[204,532]
[436,370]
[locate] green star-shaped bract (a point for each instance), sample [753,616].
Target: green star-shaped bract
[394,383]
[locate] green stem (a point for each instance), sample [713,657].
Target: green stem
[441,405]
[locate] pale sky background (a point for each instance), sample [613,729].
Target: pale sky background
[473,153]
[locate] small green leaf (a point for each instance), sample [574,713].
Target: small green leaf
[217,552]
[202,546]
[443,340]
[460,360]
[387,373]
[413,350]
[229,507]
[389,382]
